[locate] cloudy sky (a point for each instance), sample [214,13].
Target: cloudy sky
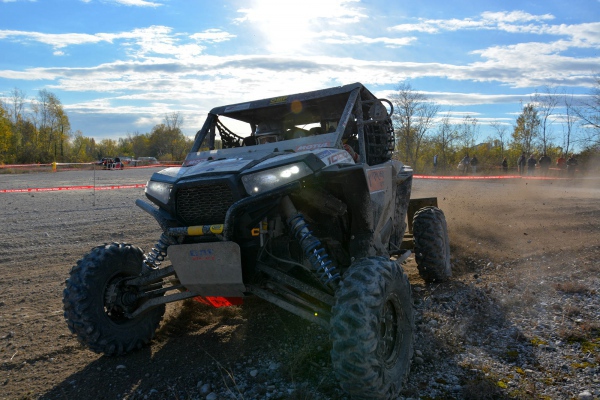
[119,66]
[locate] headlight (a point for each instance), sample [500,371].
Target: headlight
[159,190]
[262,181]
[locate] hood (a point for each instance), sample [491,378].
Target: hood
[253,158]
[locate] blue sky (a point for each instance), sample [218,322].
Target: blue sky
[120,66]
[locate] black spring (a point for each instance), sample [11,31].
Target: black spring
[159,252]
[318,257]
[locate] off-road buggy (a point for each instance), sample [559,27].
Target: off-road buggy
[111,163]
[294,199]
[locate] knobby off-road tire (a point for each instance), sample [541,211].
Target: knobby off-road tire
[400,210]
[91,296]
[432,246]
[372,329]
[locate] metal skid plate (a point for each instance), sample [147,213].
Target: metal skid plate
[210,269]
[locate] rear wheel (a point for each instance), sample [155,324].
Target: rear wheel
[372,328]
[432,246]
[96,301]
[400,210]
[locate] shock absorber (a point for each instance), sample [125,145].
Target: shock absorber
[159,251]
[322,265]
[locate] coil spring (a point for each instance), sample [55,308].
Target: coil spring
[316,254]
[159,252]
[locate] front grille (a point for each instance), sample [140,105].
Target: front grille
[204,204]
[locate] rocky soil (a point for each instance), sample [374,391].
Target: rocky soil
[520,318]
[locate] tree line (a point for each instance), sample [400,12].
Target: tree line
[551,123]
[41,132]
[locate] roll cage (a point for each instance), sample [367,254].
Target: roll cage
[348,114]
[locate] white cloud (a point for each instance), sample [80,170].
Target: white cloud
[514,16]
[140,43]
[212,36]
[507,21]
[137,3]
[332,37]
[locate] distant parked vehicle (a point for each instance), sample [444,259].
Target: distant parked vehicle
[146,161]
[111,163]
[128,161]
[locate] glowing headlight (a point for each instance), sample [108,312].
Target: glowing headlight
[266,180]
[159,190]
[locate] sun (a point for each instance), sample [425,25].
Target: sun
[287,27]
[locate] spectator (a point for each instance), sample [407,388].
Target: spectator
[561,163]
[531,162]
[521,163]
[544,163]
[465,164]
[474,162]
[571,165]
[505,166]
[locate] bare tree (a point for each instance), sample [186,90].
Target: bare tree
[545,104]
[501,134]
[413,117]
[444,139]
[589,114]
[568,124]
[15,111]
[467,131]
[16,105]
[173,120]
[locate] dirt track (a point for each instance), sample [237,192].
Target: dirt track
[511,232]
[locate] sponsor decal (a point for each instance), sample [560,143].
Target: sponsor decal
[313,146]
[202,255]
[278,100]
[325,153]
[216,229]
[376,180]
[339,157]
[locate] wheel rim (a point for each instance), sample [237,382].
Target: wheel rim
[114,295]
[390,334]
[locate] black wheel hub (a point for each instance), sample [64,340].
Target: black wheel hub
[119,300]
[390,335]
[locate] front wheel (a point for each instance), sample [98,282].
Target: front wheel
[96,301]
[372,329]
[432,246]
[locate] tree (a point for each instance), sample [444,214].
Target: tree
[82,148]
[167,140]
[568,124]
[413,117]
[589,114]
[52,126]
[140,144]
[444,141]
[501,132]
[545,105]
[467,131]
[106,148]
[527,128]
[16,114]
[6,140]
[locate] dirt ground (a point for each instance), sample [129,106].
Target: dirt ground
[509,231]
